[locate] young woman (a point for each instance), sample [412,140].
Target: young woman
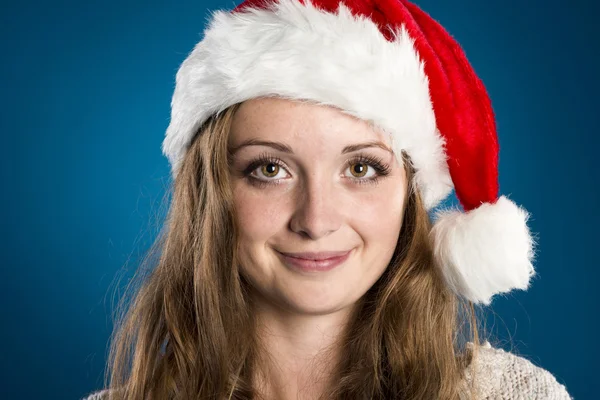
[308,142]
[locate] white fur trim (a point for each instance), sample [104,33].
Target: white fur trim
[301,52]
[485,251]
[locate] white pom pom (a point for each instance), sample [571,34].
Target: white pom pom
[485,251]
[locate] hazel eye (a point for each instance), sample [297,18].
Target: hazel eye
[270,170]
[266,170]
[360,169]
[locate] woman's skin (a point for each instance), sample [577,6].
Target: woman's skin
[310,201]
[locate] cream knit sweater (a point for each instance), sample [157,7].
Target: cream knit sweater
[499,375]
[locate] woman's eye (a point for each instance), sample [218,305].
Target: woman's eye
[270,170]
[360,169]
[266,170]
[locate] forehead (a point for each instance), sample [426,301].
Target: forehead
[300,122]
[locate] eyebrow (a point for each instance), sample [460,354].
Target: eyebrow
[286,149]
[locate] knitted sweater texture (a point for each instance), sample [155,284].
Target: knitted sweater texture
[499,375]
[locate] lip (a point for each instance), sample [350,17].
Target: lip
[315,262]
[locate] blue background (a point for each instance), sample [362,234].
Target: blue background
[85,92]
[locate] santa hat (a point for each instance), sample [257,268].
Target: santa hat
[388,62]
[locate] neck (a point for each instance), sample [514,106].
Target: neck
[299,352]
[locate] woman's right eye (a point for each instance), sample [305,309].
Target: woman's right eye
[270,170]
[265,170]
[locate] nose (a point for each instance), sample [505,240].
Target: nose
[317,212]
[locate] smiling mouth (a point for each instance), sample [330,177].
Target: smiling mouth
[314,262]
[317,256]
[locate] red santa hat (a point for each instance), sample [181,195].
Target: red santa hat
[387,62]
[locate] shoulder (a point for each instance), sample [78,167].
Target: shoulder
[501,374]
[99,395]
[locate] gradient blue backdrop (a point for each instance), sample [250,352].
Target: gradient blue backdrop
[85,92]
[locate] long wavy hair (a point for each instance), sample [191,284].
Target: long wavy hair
[185,329]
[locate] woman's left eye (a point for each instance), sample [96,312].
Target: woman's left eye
[360,170]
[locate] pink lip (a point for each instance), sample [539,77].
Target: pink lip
[322,261]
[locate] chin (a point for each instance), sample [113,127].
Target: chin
[312,303]
[316,309]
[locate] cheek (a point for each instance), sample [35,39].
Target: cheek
[378,220]
[258,215]
[378,215]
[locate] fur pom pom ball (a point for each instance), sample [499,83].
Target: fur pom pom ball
[486,251]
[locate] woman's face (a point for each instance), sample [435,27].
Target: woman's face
[308,178]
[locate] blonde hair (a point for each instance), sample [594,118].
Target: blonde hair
[185,335]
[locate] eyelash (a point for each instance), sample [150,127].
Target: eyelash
[376,163]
